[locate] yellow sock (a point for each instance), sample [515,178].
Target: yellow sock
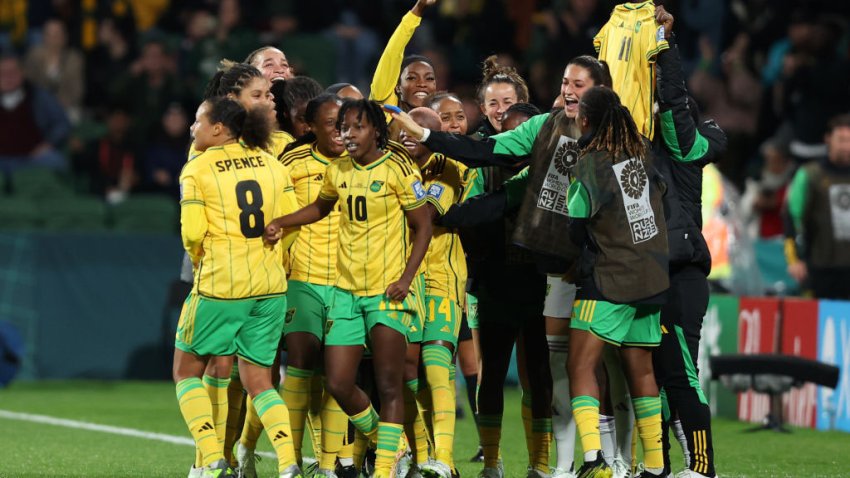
[541,437]
[196,408]
[586,414]
[253,427]
[314,415]
[346,453]
[367,422]
[490,430]
[235,410]
[217,390]
[438,362]
[423,401]
[525,412]
[389,437]
[648,421]
[296,394]
[275,417]
[358,448]
[414,427]
[333,432]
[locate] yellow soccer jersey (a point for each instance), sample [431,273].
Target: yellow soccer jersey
[373,231]
[445,263]
[628,43]
[280,140]
[313,256]
[227,195]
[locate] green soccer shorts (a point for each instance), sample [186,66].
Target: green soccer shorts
[307,308]
[352,316]
[443,319]
[249,328]
[619,324]
[471,311]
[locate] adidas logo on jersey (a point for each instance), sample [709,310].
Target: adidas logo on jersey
[319,177]
[342,186]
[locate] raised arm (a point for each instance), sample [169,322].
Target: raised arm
[308,214]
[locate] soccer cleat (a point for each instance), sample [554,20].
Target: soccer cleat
[478,457]
[436,469]
[369,462]
[688,473]
[562,473]
[594,469]
[218,469]
[414,471]
[620,469]
[292,472]
[346,471]
[455,473]
[497,472]
[247,462]
[195,472]
[324,473]
[403,465]
[535,473]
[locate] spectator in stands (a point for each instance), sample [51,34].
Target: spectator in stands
[110,161]
[110,59]
[818,218]
[766,196]
[166,155]
[58,68]
[33,124]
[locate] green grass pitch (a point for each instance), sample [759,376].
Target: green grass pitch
[40,450]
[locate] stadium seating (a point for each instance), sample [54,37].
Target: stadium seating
[152,213]
[73,213]
[39,183]
[18,214]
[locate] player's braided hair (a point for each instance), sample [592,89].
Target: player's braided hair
[230,78]
[598,70]
[373,113]
[250,126]
[525,109]
[493,72]
[310,116]
[287,94]
[612,126]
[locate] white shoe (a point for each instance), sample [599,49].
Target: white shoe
[688,473]
[195,472]
[414,471]
[533,473]
[292,472]
[562,473]
[497,472]
[437,469]
[403,465]
[620,469]
[247,462]
[218,468]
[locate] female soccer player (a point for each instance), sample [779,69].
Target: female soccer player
[500,87]
[226,191]
[381,195]
[450,108]
[272,62]
[312,274]
[617,220]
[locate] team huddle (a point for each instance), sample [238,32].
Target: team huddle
[379,242]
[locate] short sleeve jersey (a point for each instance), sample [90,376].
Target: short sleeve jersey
[446,181]
[240,189]
[373,230]
[313,255]
[629,43]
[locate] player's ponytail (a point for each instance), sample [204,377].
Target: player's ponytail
[230,78]
[493,72]
[598,70]
[612,126]
[252,126]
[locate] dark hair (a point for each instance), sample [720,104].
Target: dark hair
[525,109]
[253,55]
[250,126]
[337,87]
[310,113]
[598,70]
[230,78]
[840,121]
[434,98]
[287,94]
[409,59]
[493,72]
[374,114]
[612,126]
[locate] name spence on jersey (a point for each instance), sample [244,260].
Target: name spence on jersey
[239,163]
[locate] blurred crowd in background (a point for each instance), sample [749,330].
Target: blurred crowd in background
[104,91]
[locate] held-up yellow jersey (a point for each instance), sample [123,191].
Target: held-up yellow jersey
[228,194]
[373,231]
[445,263]
[313,256]
[628,43]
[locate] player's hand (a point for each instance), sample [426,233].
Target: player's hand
[421,5]
[798,271]
[398,290]
[408,125]
[665,19]
[273,233]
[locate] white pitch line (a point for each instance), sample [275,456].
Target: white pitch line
[80,425]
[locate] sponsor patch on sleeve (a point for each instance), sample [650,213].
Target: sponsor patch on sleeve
[418,189]
[436,191]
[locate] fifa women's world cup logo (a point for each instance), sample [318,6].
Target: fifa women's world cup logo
[566,156]
[633,179]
